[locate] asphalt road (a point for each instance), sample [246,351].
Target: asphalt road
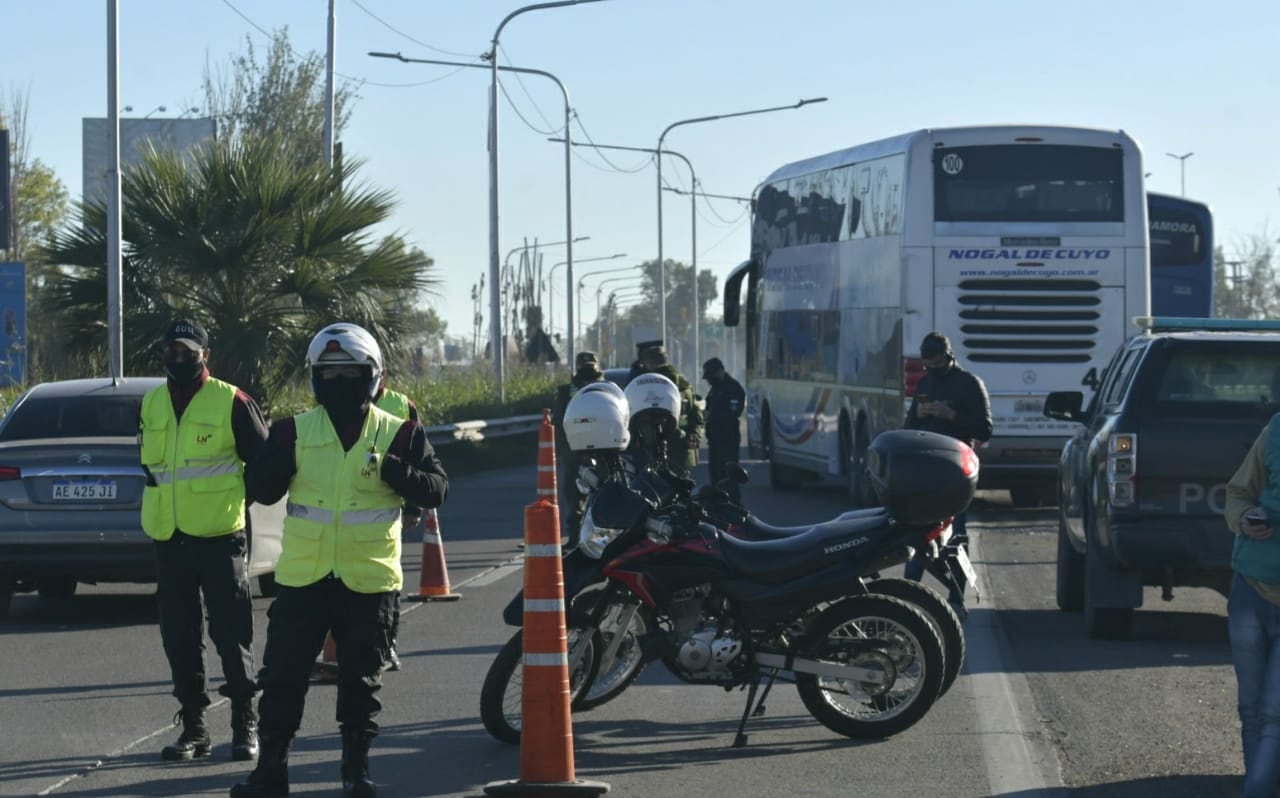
[1039,711]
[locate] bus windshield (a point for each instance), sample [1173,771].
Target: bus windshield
[1028,183]
[1177,237]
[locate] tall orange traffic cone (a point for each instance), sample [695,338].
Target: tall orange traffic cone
[546,738]
[547,459]
[433,581]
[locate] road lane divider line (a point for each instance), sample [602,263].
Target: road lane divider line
[1019,760]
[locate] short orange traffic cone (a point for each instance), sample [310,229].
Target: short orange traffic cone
[325,670]
[546,739]
[433,581]
[547,459]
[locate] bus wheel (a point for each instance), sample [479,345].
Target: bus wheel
[858,481]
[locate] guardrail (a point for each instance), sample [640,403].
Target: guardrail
[473,431]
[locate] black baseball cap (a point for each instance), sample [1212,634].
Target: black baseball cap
[935,344]
[713,364]
[188,332]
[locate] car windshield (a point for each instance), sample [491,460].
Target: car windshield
[73,417]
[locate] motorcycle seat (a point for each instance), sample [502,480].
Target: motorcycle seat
[806,549]
[756,529]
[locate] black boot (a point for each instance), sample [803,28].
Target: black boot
[270,778]
[194,743]
[355,767]
[244,731]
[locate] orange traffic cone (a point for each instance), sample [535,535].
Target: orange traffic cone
[547,459]
[325,670]
[433,581]
[546,739]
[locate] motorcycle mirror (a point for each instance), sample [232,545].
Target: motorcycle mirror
[617,507]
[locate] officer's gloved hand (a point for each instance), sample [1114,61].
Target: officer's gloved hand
[394,471]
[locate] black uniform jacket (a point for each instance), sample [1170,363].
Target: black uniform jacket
[963,392]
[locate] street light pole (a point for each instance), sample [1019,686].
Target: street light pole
[1182,164]
[495,298]
[506,262]
[693,213]
[662,266]
[583,280]
[330,67]
[551,280]
[115,272]
[568,161]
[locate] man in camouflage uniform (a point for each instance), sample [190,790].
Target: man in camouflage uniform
[653,360]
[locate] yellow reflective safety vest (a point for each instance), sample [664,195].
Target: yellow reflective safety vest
[199,477]
[395,403]
[341,518]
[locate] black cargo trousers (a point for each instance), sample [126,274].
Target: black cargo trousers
[186,567]
[300,617]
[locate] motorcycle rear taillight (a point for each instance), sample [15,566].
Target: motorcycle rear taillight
[936,532]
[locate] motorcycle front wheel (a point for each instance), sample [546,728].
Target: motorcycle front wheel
[940,614]
[881,634]
[616,675]
[501,697]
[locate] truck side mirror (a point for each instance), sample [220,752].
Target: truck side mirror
[1064,405]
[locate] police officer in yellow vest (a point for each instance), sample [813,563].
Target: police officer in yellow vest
[400,406]
[348,468]
[194,434]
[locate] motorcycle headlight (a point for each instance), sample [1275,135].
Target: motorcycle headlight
[592,539]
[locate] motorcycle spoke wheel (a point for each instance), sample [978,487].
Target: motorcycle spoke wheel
[944,619]
[908,654]
[501,697]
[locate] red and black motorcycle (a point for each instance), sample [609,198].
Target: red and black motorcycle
[729,612]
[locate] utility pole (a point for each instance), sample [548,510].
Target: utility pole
[329,70]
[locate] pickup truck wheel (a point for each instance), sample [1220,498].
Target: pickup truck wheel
[1070,573]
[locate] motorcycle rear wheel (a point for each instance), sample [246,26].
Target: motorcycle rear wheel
[869,711]
[940,614]
[501,697]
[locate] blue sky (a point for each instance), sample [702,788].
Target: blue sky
[1178,76]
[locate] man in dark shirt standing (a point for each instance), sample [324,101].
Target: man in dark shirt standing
[949,401]
[725,403]
[195,434]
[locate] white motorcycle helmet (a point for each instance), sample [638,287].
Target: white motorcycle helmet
[606,386]
[596,421]
[653,393]
[343,343]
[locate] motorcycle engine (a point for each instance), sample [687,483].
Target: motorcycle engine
[703,651]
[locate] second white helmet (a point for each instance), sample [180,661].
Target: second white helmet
[596,421]
[653,392]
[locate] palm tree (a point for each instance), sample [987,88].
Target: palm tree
[261,250]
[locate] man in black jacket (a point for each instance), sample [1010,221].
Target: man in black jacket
[725,403]
[952,402]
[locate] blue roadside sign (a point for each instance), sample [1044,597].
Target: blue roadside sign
[13,333]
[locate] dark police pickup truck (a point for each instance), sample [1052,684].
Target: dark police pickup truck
[1142,482]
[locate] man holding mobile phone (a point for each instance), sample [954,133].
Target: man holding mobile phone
[950,401]
[1253,609]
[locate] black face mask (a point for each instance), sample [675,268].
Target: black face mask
[184,370]
[345,398]
[940,371]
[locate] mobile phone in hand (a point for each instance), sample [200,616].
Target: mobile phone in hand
[1255,517]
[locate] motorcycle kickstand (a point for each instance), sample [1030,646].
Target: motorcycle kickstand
[740,739]
[760,708]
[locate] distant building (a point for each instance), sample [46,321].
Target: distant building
[180,135]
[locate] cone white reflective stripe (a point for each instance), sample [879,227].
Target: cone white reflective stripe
[431,537]
[546,444]
[547,660]
[543,605]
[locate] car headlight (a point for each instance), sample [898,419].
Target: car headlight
[592,539]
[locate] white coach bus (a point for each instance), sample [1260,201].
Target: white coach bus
[1025,245]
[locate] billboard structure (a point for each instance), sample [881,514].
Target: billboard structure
[13,332]
[136,135]
[6,198]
